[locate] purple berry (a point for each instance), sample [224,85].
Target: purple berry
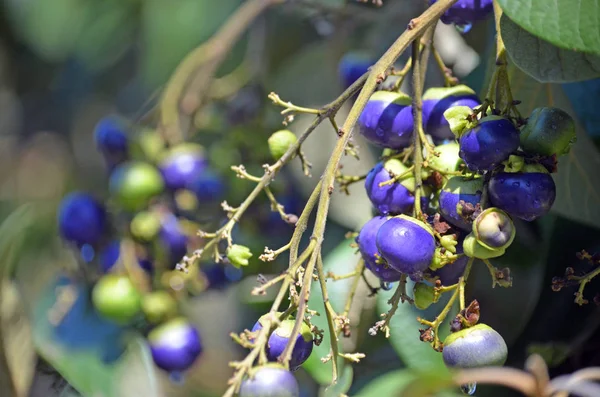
[270,381]
[173,239]
[368,249]
[109,255]
[352,66]
[457,192]
[111,140]
[280,337]
[489,143]
[407,244]
[396,198]
[477,346]
[207,186]
[437,100]
[526,195]
[175,345]
[387,120]
[182,165]
[450,273]
[466,12]
[81,219]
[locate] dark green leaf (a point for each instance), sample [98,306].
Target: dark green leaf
[544,61]
[571,24]
[405,382]
[342,386]
[388,384]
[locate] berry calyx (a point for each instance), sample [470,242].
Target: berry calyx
[494,229]
[548,131]
[477,346]
[489,143]
[394,198]
[81,219]
[526,195]
[280,142]
[367,246]
[181,165]
[407,244]
[424,296]
[175,345]
[437,100]
[458,199]
[116,298]
[270,380]
[280,337]
[134,184]
[387,120]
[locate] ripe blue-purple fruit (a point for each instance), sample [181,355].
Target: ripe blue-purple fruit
[111,140]
[527,195]
[81,219]
[450,273]
[477,346]
[270,380]
[134,184]
[175,345]
[407,244]
[207,186]
[548,131]
[109,255]
[173,239]
[395,198]
[387,120]
[181,165]
[368,249]
[352,66]
[466,12]
[437,100]
[281,336]
[116,298]
[489,143]
[456,193]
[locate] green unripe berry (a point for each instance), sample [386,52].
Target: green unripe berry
[238,255]
[280,142]
[116,298]
[424,296]
[145,226]
[134,184]
[473,249]
[548,131]
[159,306]
[448,159]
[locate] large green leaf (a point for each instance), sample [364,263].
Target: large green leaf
[388,384]
[571,24]
[578,179]
[544,61]
[405,382]
[404,335]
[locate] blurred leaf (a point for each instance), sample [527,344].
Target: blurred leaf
[405,382]
[388,384]
[554,353]
[547,63]
[341,260]
[578,179]
[572,24]
[18,355]
[342,386]
[108,33]
[404,336]
[584,96]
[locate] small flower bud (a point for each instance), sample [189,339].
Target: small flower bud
[238,255]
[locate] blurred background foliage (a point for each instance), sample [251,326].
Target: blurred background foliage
[64,64]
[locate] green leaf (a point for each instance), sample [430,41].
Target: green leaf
[404,335]
[342,386]
[405,382]
[571,24]
[388,384]
[341,260]
[543,60]
[577,180]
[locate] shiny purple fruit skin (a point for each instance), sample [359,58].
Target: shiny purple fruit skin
[368,249]
[276,345]
[386,124]
[176,348]
[480,348]
[389,199]
[405,245]
[466,12]
[173,239]
[447,204]
[180,169]
[524,195]
[488,144]
[434,122]
[450,273]
[81,219]
[270,382]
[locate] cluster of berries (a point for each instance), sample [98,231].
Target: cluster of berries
[145,228]
[485,170]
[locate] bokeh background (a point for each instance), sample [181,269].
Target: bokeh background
[65,64]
